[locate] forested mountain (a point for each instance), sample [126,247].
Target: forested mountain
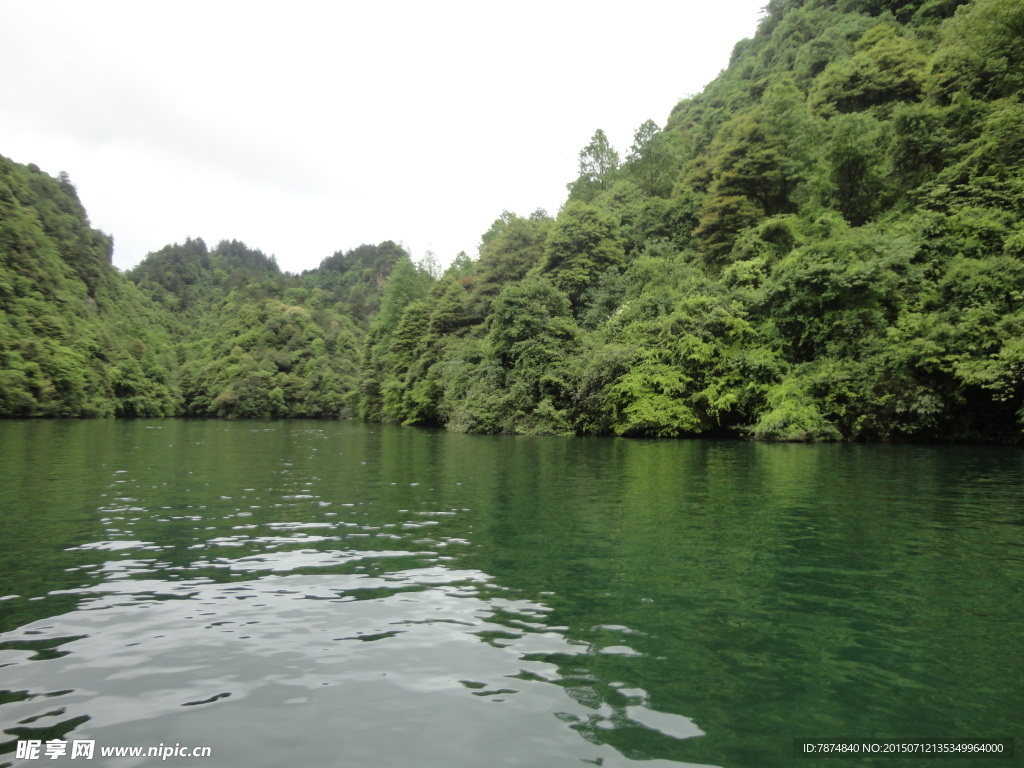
[826,243]
[189,331]
[76,339]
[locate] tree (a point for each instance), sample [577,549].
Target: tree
[981,51]
[430,265]
[651,161]
[598,161]
[884,68]
[509,253]
[407,283]
[856,154]
[583,243]
[764,163]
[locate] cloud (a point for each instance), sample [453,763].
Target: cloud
[63,82]
[309,127]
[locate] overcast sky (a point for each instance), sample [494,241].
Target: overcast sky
[304,128]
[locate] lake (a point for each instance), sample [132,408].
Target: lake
[334,593]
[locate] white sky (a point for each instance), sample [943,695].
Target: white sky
[304,128]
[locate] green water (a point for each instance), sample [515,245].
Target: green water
[325,593]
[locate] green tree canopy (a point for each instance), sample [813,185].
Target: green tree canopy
[583,243]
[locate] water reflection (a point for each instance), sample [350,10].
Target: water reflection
[342,593]
[431,661]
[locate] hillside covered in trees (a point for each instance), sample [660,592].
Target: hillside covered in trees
[827,243]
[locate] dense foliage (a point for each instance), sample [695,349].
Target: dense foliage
[826,243]
[76,339]
[189,331]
